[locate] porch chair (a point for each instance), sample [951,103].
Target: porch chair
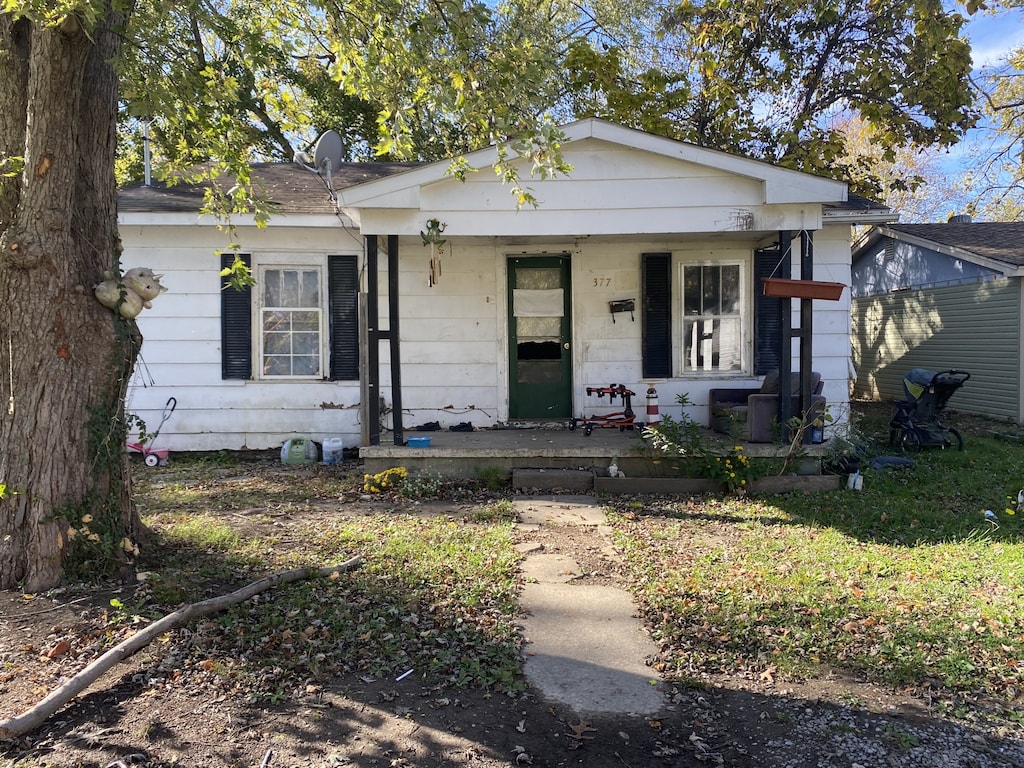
[751,414]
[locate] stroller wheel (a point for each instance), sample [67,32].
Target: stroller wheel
[910,441]
[587,429]
[152,459]
[572,425]
[953,439]
[894,437]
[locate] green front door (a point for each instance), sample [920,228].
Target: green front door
[539,347]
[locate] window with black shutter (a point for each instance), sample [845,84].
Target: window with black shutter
[235,324]
[656,318]
[343,299]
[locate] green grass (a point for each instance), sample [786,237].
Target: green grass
[435,594]
[904,583]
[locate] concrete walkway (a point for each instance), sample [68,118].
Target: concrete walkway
[586,648]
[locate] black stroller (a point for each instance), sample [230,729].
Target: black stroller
[917,423]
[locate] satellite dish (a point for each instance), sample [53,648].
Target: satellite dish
[327,151]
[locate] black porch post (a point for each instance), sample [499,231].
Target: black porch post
[785,331]
[373,344]
[375,335]
[393,336]
[806,320]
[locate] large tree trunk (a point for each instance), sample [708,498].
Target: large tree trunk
[65,358]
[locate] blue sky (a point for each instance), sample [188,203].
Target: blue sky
[993,35]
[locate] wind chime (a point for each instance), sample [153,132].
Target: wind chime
[432,237]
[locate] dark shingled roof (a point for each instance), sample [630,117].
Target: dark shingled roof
[1002,241]
[291,188]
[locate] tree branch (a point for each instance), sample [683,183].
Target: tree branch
[37,715]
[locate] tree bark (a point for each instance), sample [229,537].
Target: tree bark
[57,698]
[66,360]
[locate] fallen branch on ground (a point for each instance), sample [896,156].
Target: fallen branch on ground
[35,716]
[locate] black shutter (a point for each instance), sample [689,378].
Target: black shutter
[343,301]
[235,325]
[657,315]
[767,315]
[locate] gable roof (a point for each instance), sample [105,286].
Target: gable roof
[780,185]
[293,189]
[290,188]
[991,243]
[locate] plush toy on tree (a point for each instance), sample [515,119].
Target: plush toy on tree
[133,292]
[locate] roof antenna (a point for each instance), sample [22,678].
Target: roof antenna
[327,153]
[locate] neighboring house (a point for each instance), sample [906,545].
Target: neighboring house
[941,296]
[510,319]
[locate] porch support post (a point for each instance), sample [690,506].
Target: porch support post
[804,332]
[806,321]
[371,411]
[396,357]
[376,335]
[785,332]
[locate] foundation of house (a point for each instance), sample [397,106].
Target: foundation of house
[551,458]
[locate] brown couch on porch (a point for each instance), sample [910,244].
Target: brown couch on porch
[752,414]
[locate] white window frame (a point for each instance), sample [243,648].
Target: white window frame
[302,262]
[744,318]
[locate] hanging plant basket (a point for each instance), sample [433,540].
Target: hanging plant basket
[802,289]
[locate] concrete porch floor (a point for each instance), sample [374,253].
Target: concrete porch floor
[465,454]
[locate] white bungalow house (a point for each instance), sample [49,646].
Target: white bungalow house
[640,267]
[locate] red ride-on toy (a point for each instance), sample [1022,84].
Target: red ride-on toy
[623,419]
[151,457]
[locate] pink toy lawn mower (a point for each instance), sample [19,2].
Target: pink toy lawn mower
[150,456]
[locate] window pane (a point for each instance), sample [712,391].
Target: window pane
[305,321]
[272,288]
[691,290]
[277,344]
[728,355]
[310,296]
[730,289]
[305,365]
[538,279]
[289,288]
[711,284]
[275,366]
[275,321]
[305,343]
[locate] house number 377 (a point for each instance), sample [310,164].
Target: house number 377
[602,282]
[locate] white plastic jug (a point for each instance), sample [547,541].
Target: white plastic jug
[333,447]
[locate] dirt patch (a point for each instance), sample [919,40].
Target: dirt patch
[161,709]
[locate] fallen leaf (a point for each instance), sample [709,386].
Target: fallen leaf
[60,649]
[581,730]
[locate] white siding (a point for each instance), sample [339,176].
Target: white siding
[454,353]
[453,345]
[181,352]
